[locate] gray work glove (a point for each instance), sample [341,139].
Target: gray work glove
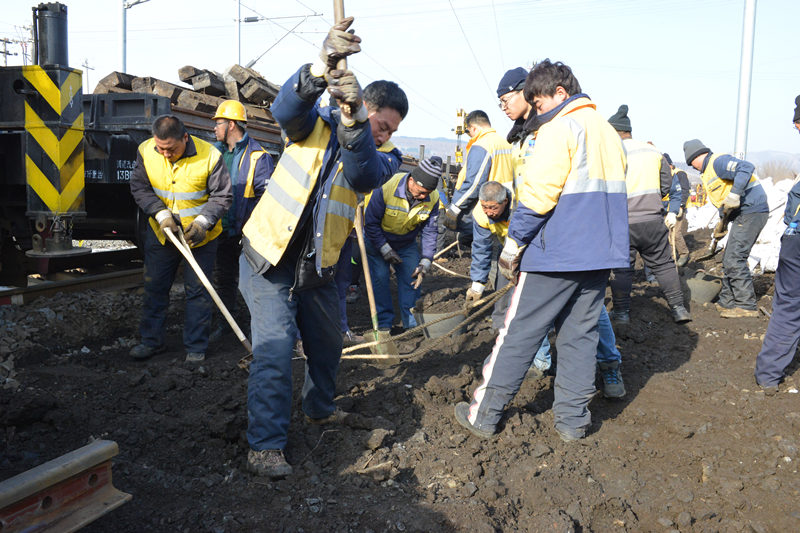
[389,255]
[422,269]
[166,220]
[450,220]
[344,87]
[195,233]
[731,202]
[339,43]
[510,257]
[670,220]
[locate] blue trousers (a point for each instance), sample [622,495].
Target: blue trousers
[344,273]
[783,331]
[406,294]
[571,301]
[275,322]
[161,262]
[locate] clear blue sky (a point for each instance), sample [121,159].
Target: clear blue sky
[675,63]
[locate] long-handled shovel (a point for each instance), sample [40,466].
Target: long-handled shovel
[186,251]
[387,345]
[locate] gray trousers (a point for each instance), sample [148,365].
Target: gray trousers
[571,301]
[651,240]
[737,285]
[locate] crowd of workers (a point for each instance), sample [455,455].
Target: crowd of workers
[562,206]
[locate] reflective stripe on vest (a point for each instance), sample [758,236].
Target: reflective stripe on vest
[182,186]
[274,219]
[398,219]
[718,188]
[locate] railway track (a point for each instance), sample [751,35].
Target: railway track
[122,279]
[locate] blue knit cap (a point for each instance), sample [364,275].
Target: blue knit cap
[513,80]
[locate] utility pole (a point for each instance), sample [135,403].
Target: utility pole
[123,27]
[87,68]
[5,51]
[745,79]
[239,32]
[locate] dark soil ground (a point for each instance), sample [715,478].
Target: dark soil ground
[694,446]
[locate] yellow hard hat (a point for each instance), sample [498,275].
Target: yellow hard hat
[231,110]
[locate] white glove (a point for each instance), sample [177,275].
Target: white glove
[670,220]
[732,201]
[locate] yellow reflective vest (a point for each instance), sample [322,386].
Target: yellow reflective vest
[718,188]
[182,185]
[270,228]
[398,219]
[498,154]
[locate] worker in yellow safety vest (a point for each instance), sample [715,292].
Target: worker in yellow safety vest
[181,184]
[293,239]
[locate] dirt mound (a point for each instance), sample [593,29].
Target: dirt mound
[694,446]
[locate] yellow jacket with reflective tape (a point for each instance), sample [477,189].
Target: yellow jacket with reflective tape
[182,186]
[498,229]
[718,188]
[494,163]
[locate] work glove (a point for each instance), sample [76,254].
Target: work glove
[389,255]
[474,293]
[344,87]
[670,220]
[166,219]
[422,269]
[732,201]
[195,233]
[510,257]
[339,43]
[450,220]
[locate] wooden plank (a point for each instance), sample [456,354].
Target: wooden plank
[232,90]
[209,83]
[185,74]
[258,114]
[103,88]
[240,74]
[170,90]
[199,102]
[142,85]
[259,92]
[118,79]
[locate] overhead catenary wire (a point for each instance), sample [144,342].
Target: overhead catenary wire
[475,57]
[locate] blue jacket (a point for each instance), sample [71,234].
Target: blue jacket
[246,187]
[573,211]
[752,199]
[792,213]
[373,216]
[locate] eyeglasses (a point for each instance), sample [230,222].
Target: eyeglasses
[221,123]
[505,101]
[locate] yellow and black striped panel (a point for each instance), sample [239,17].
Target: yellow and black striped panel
[54,140]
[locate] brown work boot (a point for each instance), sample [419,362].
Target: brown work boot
[738,312]
[268,463]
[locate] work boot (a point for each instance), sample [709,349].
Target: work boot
[720,308]
[336,417]
[141,352]
[268,463]
[534,373]
[195,357]
[462,414]
[569,435]
[682,260]
[620,316]
[738,312]
[351,339]
[613,386]
[680,315]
